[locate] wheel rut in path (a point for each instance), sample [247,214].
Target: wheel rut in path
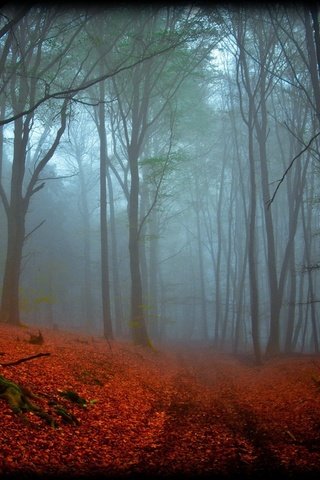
[207,429]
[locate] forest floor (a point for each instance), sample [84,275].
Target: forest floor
[185,412]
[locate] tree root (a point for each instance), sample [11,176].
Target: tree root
[19,400]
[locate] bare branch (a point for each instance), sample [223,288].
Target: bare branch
[36,189]
[25,359]
[21,13]
[269,202]
[33,230]
[60,177]
[70,92]
[35,177]
[156,195]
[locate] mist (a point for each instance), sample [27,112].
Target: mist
[159,175]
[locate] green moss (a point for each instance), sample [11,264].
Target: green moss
[15,397]
[74,397]
[19,397]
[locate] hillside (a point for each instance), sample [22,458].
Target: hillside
[187,412]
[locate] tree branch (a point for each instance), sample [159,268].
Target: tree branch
[25,359]
[35,177]
[59,177]
[156,195]
[32,231]
[36,189]
[269,202]
[14,20]
[72,91]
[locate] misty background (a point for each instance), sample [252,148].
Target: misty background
[160,174]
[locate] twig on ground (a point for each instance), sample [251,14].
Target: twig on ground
[25,359]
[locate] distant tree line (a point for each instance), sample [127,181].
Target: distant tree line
[159,173]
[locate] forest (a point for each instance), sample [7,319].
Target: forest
[159,241]
[159,174]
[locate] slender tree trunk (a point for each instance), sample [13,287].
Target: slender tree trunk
[295,196]
[118,308]
[16,211]
[243,265]
[313,47]
[154,273]
[143,251]
[87,280]
[203,300]
[138,326]
[149,260]
[244,80]
[273,345]
[229,273]
[2,114]
[298,327]
[241,218]
[252,255]
[291,308]
[311,296]
[218,261]
[106,310]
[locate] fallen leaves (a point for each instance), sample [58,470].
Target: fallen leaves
[147,412]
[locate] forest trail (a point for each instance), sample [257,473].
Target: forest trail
[176,411]
[208,427]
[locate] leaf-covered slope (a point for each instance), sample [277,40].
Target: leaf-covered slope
[179,411]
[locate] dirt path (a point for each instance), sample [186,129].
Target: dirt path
[209,428]
[169,413]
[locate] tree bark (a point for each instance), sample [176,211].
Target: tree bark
[16,212]
[118,309]
[243,71]
[105,286]
[138,326]
[87,280]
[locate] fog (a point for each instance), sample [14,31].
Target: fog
[160,174]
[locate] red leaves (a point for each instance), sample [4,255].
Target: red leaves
[158,412]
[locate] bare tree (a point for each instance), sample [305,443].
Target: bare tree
[26,54]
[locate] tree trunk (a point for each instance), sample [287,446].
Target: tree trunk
[203,300]
[298,327]
[291,308]
[143,207]
[311,296]
[313,47]
[218,261]
[87,280]
[154,273]
[253,279]
[252,244]
[16,212]
[106,313]
[11,279]
[229,271]
[138,326]
[118,310]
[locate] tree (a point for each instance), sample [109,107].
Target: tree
[106,309]
[79,152]
[27,54]
[36,48]
[243,78]
[138,112]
